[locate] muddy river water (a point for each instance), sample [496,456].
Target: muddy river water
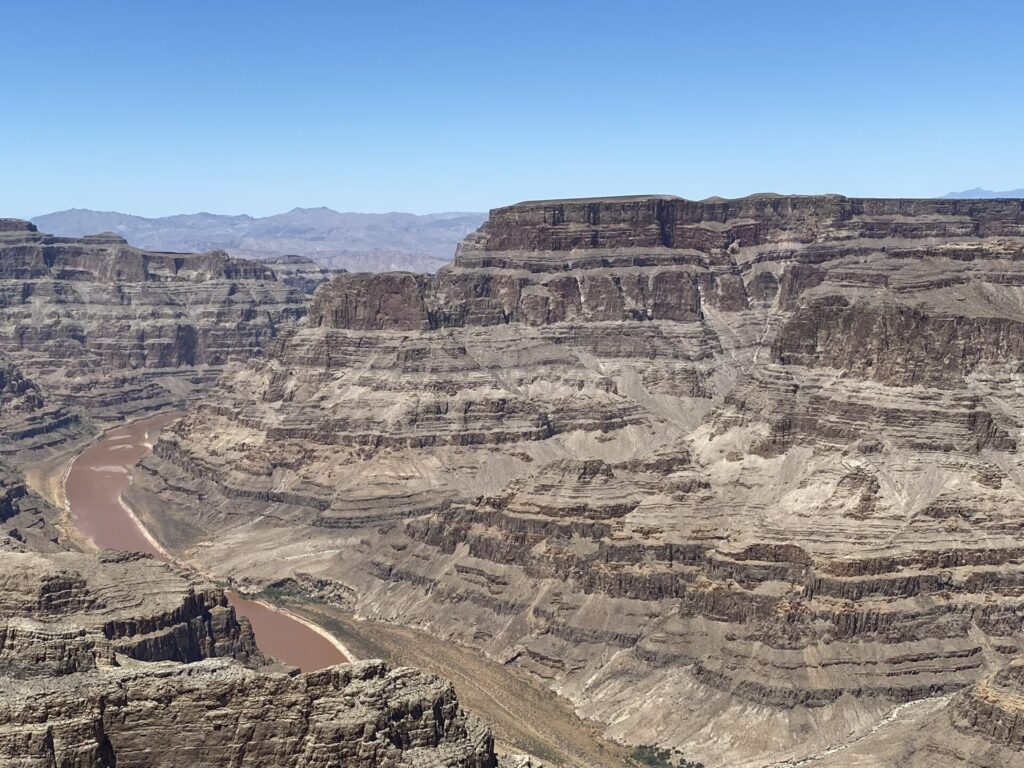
[93,489]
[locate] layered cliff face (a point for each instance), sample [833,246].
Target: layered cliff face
[71,612]
[740,476]
[979,727]
[29,423]
[27,523]
[117,660]
[111,330]
[213,713]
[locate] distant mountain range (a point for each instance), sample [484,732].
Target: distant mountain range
[358,242]
[983,194]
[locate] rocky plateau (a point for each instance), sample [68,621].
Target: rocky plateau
[736,476]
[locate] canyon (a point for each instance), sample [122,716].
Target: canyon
[734,477]
[118,660]
[738,477]
[113,657]
[93,328]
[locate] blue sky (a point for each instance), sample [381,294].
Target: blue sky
[258,107]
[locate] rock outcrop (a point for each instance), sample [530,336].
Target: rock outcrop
[979,727]
[214,713]
[742,467]
[26,521]
[72,612]
[120,661]
[109,330]
[301,272]
[29,424]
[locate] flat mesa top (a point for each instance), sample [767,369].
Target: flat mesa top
[753,198]
[667,198]
[613,199]
[16,225]
[942,204]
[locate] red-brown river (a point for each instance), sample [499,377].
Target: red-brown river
[93,487]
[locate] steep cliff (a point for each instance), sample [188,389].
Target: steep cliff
[28,422]
[26,521]
[120,661]
[106,329]
[743,467]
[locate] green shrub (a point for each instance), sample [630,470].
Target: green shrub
[657,757]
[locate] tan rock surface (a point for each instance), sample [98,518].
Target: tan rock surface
[107,330]
[735,476]
[119,660]
[29,424]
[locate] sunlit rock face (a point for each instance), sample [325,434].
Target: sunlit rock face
[111,330]
[29,423]
[740,475]
[119,660]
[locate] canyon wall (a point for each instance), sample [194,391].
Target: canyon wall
[105,330]
[29,423]
[740,476]
[113,659]
[118,660]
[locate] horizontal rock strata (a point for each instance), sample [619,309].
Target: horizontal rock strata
[979,727]
[29,423]
[119,661]
[71,612]
[109,330]
[27,523]
[702,467]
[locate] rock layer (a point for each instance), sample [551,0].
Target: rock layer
[30,424]
[702,467]
[110,330]
[26,521]
[119,661]
[213,713]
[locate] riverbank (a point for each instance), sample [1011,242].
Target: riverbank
[524,716]
[96,515]
[46,478]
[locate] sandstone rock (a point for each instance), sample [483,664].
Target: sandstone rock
[704,468]
[213,713]
[28,423]
[371,302]
[976,728]
[118,660]
[80,612]
[520,761]
[26,521]
[111,330]
[301,272]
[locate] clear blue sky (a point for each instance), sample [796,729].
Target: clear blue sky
[169,107]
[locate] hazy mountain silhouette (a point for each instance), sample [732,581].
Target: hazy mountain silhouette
[354,241]
[983,194]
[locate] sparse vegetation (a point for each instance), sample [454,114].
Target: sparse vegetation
[657,757]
